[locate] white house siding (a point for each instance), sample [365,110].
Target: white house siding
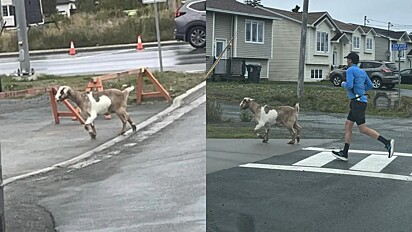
[308,69]
[253,50]
[315,57]
[10,20]
[361,44]
[286,42]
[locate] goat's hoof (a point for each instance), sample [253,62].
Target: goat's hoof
[291,142]
[298,139]
[265,141]
[122,132]
[93,136]
[134,127]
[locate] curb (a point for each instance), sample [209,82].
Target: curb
[178,102]
[96,48]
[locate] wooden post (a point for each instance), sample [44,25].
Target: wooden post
[54,106]
[301,74]
[139,91]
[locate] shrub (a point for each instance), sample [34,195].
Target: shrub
[213,111]
[246,116]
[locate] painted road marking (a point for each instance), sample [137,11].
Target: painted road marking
[358,151]
[373,163]
[317,160]
[327,170]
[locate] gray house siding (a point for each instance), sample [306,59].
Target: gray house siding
[253,50]
[209,33]
[381,46]
[223,27]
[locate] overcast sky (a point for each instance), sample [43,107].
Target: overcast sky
[379,12]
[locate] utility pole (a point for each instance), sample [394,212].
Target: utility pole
[23,42]
[389,42]
[301,74]
[2,220]
[158,36]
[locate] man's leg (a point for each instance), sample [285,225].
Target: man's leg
[389,144]
[348,135]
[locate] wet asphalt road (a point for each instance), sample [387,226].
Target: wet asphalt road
[154,185]
[182,58]
[250,199]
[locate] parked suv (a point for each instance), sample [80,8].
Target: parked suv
[190,23]
[381,73]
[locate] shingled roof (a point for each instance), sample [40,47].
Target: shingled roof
[235,7]
[312,16]
[345,26]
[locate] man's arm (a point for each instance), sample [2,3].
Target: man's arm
[368,83]
[349,79]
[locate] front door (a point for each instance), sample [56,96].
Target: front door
[335,58]
[219,48]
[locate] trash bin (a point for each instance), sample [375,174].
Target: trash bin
[253,72]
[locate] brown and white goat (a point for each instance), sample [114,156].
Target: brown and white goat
[265,116]
[93,103]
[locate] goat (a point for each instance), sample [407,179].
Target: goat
[93,103]
[265,116]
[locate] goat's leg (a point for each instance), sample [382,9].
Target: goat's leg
[293,133]
[266,136]
[297,128]
[122,117]
[256,130]
[89,126]
[130,121]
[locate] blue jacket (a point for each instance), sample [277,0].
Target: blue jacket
[357,81]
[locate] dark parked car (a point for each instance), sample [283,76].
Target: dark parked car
[406,76]
[190,23]
[381,73]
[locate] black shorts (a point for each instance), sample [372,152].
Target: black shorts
[357,112]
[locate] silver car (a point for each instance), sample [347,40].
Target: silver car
[190,23]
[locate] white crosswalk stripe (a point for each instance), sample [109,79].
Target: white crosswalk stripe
[322,161]
[373,163]
[317,160]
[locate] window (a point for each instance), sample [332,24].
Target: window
[199,6]
[8,10]
[322,42]
[356,42]
[368,44]
[220,46]
[316,74]
[254,31]
[5,11]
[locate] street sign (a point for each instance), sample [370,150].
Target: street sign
[399,47]
[152,1]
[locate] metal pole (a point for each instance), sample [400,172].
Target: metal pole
[301,74]
[158,37]
[2,220]
[23,42]
[399,76]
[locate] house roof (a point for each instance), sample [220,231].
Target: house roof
[297,16]
[237,8]
[345,26]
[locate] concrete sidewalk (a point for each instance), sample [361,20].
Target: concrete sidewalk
[30,140]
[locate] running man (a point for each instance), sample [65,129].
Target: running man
[357,83]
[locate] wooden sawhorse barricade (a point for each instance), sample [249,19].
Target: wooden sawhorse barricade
[96,83]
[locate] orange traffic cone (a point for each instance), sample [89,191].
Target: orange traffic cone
[139,44]
[72,50]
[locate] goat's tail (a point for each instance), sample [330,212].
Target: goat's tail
[297,108]
[128,89]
